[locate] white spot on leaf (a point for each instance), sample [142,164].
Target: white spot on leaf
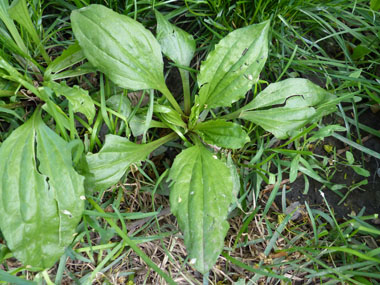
[193,260]
[68,213]
[82,197]
[250,77]
[179,199]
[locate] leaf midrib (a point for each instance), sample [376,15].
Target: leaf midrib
[130,57]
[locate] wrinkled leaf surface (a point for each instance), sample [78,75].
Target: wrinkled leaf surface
[279,92]
[41,194]
[222,133]
[201,192]
[303,101]
[233,66]
[106,167]
[119,47]
[176,44]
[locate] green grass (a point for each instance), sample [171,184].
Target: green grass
[333,43]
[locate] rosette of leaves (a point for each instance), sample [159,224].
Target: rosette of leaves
[203,185]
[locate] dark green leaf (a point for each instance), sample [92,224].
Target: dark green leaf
[360,51]
[41,194]
[200,196]
[234,66]
[222,133]
[119,47]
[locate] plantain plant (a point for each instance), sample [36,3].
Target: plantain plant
[41,193]
[203,183]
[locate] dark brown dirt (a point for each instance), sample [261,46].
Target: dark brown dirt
[366,197]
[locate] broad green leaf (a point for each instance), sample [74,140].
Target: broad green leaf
[304,102]
[222,133]
[279,92]
[283,120]
[201,192]
[41,194]
[106,167]
[234,66]
[119,47]
[78,97]
[176,44]
[179,46]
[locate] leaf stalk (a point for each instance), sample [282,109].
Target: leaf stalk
[165,91]
[186,90]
